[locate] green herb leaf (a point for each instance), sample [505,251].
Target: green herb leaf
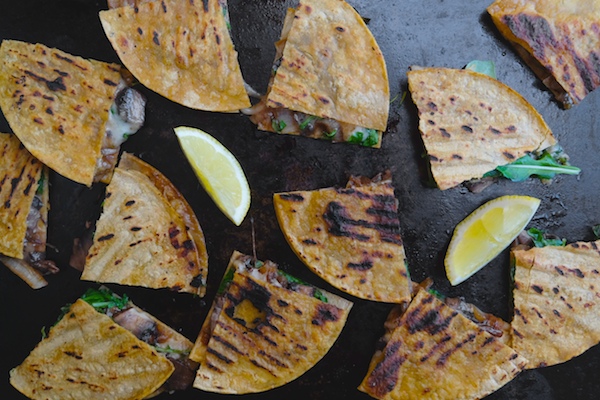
[545,167]
[292,279]
[40,188]
[436,294]
[127,135]
[258,264]
[483,67]
[170,350]
[278,126]
[228,277]
[596,230]
[309,119]
[331,134]
[540,240]
[43,332]
[369,138]
[103,299]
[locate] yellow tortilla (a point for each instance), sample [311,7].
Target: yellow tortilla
[350,237]
[437,353]
[181,50]
[87,356]
[471,123]
[142,240]
[560,40]
[57,104]
[556,302]
[19,177]
[332,67]
[264,335]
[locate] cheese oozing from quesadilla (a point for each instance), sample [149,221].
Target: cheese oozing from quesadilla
[264,329]
[556,302]
[329,78]
[59,106]
[434,351]
[559,40]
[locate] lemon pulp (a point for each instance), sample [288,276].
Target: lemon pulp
[218,170]
[487,231]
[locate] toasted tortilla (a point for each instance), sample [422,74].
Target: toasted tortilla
[471,123]
[350,237]
[437,353]
[87,356]
[21,174]
[263,335]
[181,50]
[559,40]
[556,302]
[142,240]
[332,67]
[58,105]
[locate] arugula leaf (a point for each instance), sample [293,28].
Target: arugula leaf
[228,277]
[103,299]
[278,125]
[544,167]
[483,67]
[309,119]
[540,240]
[369,138]
[292,279]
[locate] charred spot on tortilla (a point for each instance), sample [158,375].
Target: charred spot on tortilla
[318,53]
[49,105]
[180,49]
[265,328]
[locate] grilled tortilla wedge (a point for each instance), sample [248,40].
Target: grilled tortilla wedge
[147,234]
[556,302]
[471,123]
[330,79]
[87,356]
[349,236]
[559,40]
[265,329]
[435,352]
[59,106]
[181,50]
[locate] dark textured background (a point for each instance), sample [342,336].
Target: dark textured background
[409,32]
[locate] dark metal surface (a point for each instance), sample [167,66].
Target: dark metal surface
[421,32]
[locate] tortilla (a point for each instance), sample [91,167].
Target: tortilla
[559,40]
[142,240]
[329,77]
[471,123]
[435,352]
[263,335]
[350,237]
[58,105]
[87,356]
[181,50]
[556,292]
[21,174]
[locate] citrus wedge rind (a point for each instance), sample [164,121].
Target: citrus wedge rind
[485,233]
[218,171]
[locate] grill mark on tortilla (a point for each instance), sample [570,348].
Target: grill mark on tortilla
[440,343]
[508,155]
[140,31]
[109,82]
[219,356]
[431,321]
[272,359]
[164,7]
[309,242]
[364,265]
[259,365]
[155,38]
[467,128]
[291,197]
[54,85]
[487,341]
[226,343]
[13,186]
[325,313]
[537,288]
[130,203]
[61,73]
[354,192]
[106,237]
[213,367]
[384,376]
[73,354]
[444,357]
[204,4]
[70,61]
[445,133]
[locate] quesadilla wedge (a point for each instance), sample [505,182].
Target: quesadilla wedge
[88,356]
[147,234]
[71,113]
[434,351]
[559,40]
[181,50]
[329,77]
[264,329]
[349,236]
[471,123]
[556,302]
[24,204]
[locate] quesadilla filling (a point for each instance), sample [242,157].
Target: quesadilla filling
[126,117]
[145,328]
[286,121]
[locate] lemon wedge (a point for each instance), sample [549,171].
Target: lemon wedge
[487,231]
[218,170]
